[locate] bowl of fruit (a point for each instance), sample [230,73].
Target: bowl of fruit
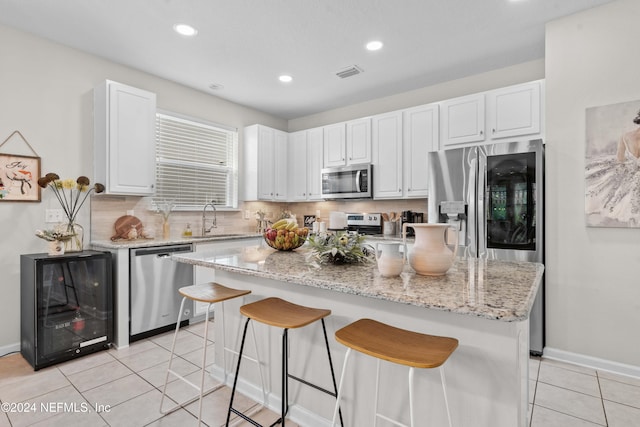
[285,235]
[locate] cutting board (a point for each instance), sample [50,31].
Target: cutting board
[123,227]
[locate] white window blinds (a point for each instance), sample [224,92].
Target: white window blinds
[196,163]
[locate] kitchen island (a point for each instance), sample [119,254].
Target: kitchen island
[485,304]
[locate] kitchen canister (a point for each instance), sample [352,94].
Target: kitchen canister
[389,227]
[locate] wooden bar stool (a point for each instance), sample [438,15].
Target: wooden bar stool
[283,314]
[210,293]
[400,346]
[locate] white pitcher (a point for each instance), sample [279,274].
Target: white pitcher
[390,259]
[430,255]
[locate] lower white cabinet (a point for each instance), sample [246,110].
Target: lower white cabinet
[206,274]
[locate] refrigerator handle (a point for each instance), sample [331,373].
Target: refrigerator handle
[481,199]
[472,220]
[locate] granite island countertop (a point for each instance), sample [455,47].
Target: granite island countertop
[491,289]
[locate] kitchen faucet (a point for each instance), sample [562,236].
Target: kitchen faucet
[205,230]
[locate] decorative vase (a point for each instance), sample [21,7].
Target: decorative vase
[430,255]
[166,229]
[76,242]
[390,259]
[56,247]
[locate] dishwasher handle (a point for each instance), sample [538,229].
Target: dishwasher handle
[162,251]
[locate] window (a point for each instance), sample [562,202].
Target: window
[196,162]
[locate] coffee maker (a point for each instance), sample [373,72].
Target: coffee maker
[412,217]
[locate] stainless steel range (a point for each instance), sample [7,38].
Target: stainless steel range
[365,223]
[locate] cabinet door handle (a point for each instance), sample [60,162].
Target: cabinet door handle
[481,132]
[493,130]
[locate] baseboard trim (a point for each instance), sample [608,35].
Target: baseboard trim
[591,362]
[11,348]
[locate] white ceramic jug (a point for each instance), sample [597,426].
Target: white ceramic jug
[430,255]
[390,259]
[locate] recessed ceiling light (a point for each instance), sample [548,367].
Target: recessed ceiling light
[185,30]
[285,78]
[374,45]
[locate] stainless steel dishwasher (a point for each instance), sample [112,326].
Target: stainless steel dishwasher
[154,282]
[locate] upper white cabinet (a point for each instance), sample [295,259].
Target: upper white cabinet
[265,163]
[514,111]
[509,112]
[462,120]
[387,155]
[347,143]
[314,163]
[359,141]
[298,166]
[124,139]
[305,151]
[420,136]
[335,145]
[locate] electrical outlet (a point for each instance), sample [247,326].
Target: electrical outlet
[247,214]
[53,215]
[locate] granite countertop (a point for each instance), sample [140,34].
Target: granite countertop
[145,243]
[491,289]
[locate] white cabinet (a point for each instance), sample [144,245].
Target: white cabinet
[335,146]
[462,120]
[495,115]
[387,155]
[347,143]
[314,164]
[514,111]
[298,166]
[206,274]
[305,154]
[420,136]
[265,163]
[124,139]
[359,141]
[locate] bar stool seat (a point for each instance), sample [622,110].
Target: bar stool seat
[286,315]
[400,346]
[210,293]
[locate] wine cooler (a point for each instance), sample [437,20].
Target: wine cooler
[66,306]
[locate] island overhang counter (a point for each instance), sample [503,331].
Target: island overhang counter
[485,304]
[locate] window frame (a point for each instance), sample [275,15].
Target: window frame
[232,186]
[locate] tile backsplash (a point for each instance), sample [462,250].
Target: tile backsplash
[105,210]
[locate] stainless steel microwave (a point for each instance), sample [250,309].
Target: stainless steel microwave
[347,182]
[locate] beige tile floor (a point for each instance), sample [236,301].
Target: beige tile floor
[123,387]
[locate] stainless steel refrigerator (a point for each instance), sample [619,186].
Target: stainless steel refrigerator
[494,195]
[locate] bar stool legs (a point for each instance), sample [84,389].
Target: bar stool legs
[280,313]
[209,293]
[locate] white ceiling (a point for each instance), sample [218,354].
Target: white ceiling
[244,45]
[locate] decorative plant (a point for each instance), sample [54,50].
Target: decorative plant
[340,248]
[53,235]
[68,192]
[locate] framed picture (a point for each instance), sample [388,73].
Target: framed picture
[612,165]
[19,178]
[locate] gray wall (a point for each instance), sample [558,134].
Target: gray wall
[46,94]
[593,287]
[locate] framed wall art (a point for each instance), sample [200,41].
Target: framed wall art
[612,166]
[19,176]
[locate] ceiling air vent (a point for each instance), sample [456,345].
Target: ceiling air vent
[349,71]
